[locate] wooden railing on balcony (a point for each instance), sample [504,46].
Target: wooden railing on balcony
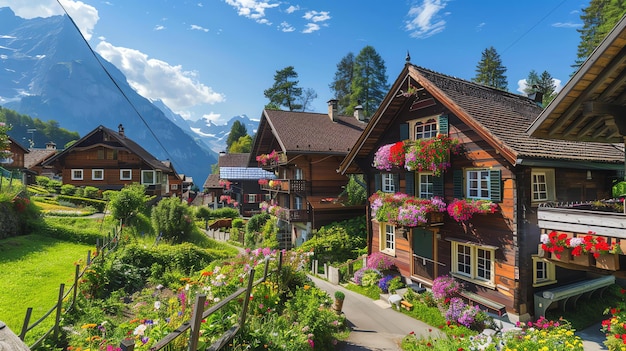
[581,218]
[285,185]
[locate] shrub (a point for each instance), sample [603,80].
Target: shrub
[225,212]
[68,189]
[83,201]
[42,181]
[445,287]
[91,192]
[128,202]
[237,223]
[370,278]
[379,261]
[171,219]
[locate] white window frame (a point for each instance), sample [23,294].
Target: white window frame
[548,182]
[544,272]
[145,172]
[468,257]
[387,238]
[130,172]
[252,198]
[424,188]
[174,186]
[431,121]
[387,184]
[77,174]
[474,182]
[93,174]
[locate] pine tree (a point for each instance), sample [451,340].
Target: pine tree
[342,84]
[490,70]
[543,84]
[237,131]
[598,20]
[285,91]
[369,83]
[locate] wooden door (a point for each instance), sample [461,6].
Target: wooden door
[424,265]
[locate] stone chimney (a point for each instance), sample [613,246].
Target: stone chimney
[358,113]
[51,145]
[332,109]
[120,129]
[536,96]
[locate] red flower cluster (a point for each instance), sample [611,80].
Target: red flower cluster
[396,154]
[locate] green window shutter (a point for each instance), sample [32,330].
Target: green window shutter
[410,183]
[457,180]
[396,182]
[438,186]
[443,124]
[495,180]
[378,182]
[404,131]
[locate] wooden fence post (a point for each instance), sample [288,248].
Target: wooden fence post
[29,311]
[246,301]
[57,319]
[196,319]
[76,276]
[127,345]
[267,267]
[88,257]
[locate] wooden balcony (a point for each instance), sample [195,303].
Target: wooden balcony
[582,218]
[285,186]
[270,164]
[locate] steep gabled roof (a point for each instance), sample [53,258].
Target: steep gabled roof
[500,118]
[116,140]
[212,182]
[305,133]
[233,160]
[584,108]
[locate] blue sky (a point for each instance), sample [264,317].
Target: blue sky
[214,58]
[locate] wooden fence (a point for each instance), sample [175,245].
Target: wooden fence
[199,314]
[103,248]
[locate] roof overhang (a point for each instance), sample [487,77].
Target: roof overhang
[592,105]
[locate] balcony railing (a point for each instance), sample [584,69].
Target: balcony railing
[271,163]
[285,185]
[582,218]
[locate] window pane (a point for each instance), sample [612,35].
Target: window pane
[542,270]
[464,260]
[425,186]
[388,186]
[484,264]
[390,237]
[478,184]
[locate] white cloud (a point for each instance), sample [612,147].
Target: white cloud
[156,79]
[521,85]
[85,16]
[566,25]
[286,27]
[316,16]
[480,26]
[292,9]
[214,117]
[159,27]
[424,20]
[196,27]
[310,28]
[252,9]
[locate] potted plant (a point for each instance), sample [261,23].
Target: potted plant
[339,298]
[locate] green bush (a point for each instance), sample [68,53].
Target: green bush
[225,212]
[172,220]
[237,223]
[254,226]
[68,189]
[54,186]
[128,202]
[92,192]
[99,205]
[42,181]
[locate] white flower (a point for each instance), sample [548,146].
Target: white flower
[157,305]
[573,242]
[545,238]
[140,329]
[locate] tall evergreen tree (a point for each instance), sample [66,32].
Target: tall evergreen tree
[285,91]
[369,82]
[308,95]
[342,84]
[543,84]
[598,20]
[237,131]
[490,70]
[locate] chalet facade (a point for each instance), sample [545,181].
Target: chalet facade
[108,160]
[17,154]
[240,183]
[304,150]
[496,164]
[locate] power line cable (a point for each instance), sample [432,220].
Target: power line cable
[115,83]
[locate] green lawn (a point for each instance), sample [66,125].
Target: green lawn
[33,267]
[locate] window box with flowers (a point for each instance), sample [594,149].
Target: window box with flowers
[431,154]
[389,156]
[606,254]
[403,210]
[462,210]
[580,250]
[556,244]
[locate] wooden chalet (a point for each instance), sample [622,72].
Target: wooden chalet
[34,159]
[591,108]
[492,254]
[240,183]
[304,151]
[108,160]
[16,160]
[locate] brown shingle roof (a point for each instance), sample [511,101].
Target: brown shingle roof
[313,132]
[233,160]
[507,116]
[212,181]
[35,156]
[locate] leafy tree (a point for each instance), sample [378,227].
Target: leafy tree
[308,95]
[204,213]
[285,91]
[342,83]
[598,20]
[543,84]
[369,83]
[236,131]
[356,190]
[490,70]
[243,145]
[4,140]
[43,131]
[128,202]
[172,219]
